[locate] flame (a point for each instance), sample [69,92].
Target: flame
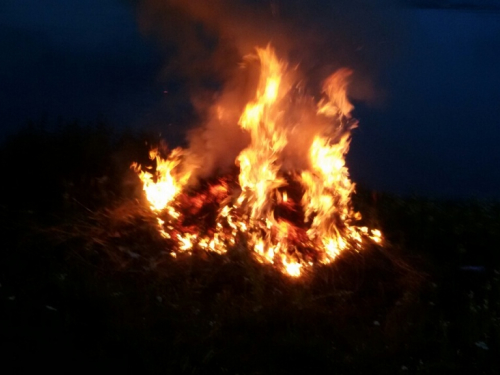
[259,165]
[263,217]
[163,186]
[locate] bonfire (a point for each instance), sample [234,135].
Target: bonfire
[292,218]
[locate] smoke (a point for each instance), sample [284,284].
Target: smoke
[205,43]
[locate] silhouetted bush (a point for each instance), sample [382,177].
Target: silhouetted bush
[53,166]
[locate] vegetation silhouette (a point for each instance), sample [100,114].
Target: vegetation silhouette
[87,283]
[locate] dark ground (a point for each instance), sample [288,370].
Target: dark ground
[87,284]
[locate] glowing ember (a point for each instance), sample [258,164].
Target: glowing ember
[291,219]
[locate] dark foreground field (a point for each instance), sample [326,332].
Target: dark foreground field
[87,285]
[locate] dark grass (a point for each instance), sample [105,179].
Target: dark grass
[88,285]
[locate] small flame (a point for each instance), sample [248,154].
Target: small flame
[163,186]
[293,268]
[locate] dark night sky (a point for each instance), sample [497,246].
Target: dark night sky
[77,59]
[437,131]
